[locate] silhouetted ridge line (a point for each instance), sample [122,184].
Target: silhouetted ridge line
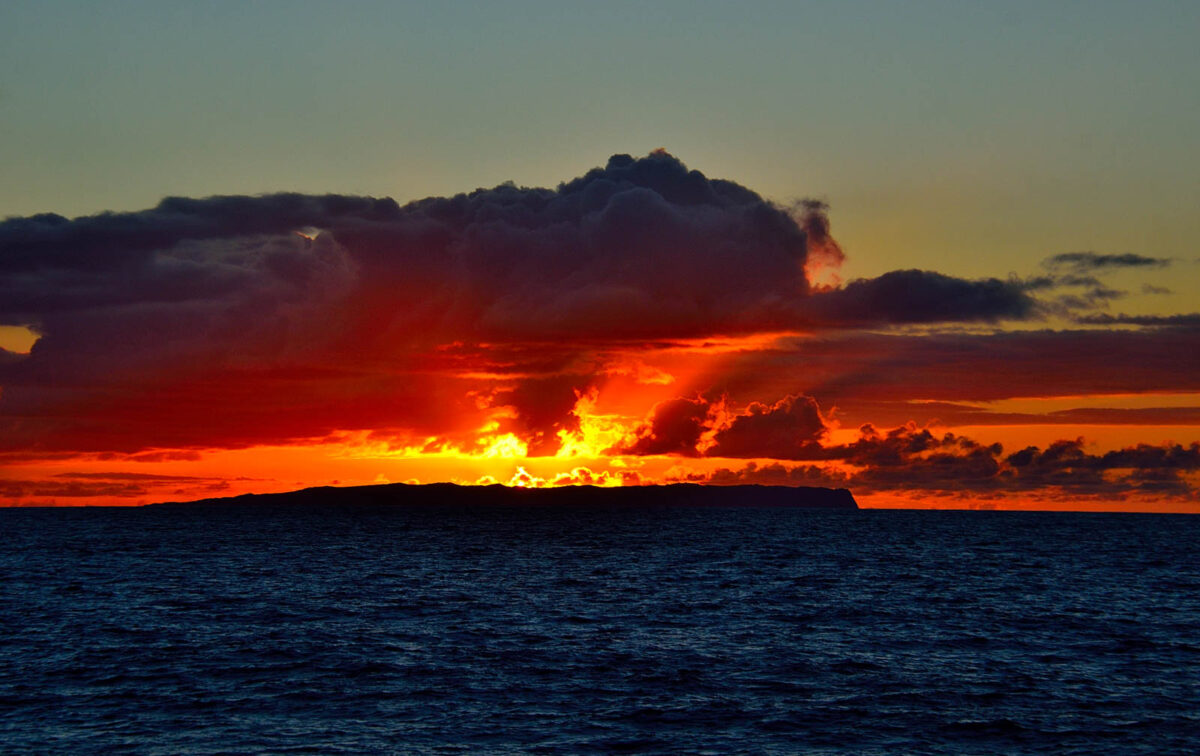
[679,494]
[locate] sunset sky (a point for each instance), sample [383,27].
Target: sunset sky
[942,254]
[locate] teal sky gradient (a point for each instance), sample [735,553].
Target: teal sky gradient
[973,139]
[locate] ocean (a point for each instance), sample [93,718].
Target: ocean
[497,630]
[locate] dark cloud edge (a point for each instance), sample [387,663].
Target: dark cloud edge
[908,457]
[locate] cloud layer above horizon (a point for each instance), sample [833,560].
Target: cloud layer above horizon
[690,307]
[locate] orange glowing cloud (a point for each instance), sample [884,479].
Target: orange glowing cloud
[642,323]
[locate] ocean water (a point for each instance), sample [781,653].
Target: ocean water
[599,630]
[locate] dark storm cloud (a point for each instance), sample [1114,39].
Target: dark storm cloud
[543,407]
[921,296]
[638,246]
[674,427]
[788,429]
[1086,261]
[239,320]
[198,301]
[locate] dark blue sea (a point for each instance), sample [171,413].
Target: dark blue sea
[669,630]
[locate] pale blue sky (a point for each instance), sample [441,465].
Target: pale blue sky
[969,138]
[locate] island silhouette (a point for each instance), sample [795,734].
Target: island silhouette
[675,494]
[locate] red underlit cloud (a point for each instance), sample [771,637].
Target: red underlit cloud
[788,429]
[232,321]
[640,310]
[674,427]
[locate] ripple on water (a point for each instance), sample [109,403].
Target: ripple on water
[597,630]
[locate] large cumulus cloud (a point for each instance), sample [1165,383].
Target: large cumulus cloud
[640,246]
[240,320]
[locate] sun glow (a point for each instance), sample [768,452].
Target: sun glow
[579,476]
[507,446]
[597,433]
[18,339]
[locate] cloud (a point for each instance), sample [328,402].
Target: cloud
[1079,273]
[845,369]
[542,407]
[957,414]
[1147,469]
[909,456]
[230,321]
[791,428]
[912,460]
[674,427]
[775,474]
[1189,320]
[107,485]
[1087,261]
[636,246]
[13,490]
[905,458]
[824,253]
[920,296]
[1088,292]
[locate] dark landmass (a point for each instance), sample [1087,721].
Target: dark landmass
[679,494]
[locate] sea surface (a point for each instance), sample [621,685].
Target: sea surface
[499,630]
